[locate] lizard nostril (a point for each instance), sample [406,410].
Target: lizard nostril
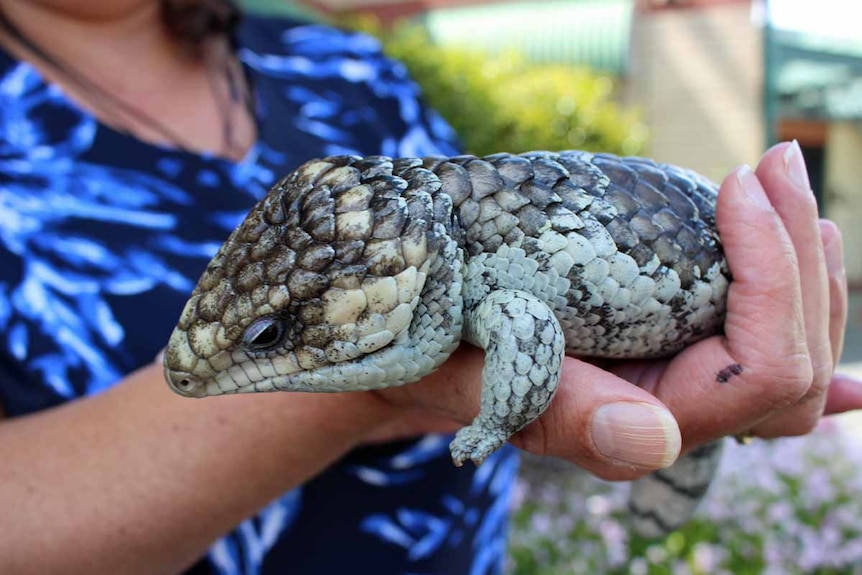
[183,383]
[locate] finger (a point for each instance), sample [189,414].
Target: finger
[453,390]
[596,420]
[604,424]
[838,304]
[845,394]
[783,174]
[726,384]
[765,317]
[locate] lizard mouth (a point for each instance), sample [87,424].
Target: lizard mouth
[383,368]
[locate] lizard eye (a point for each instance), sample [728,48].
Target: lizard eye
[263,334]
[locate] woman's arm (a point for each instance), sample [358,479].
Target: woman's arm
[139,480]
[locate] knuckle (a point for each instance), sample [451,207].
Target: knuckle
[787,383]
[534,438]
[821,376]
[794,425]
[803,426]
[559,433]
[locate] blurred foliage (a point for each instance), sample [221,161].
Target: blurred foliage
[776,508]
[506,103]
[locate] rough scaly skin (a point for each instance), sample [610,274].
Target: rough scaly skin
[363,273]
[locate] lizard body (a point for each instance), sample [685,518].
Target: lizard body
[363,273]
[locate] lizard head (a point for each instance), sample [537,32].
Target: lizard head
[323,273]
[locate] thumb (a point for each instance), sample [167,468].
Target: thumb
[605,424]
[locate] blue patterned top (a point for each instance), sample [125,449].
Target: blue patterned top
[102,238]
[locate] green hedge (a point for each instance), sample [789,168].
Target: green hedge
[505,103]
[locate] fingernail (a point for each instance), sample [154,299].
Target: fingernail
[751,187]
[637,434]
[794,165]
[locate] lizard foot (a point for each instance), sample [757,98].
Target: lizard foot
[475,443]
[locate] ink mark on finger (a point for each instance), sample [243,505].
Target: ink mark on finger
[725,374]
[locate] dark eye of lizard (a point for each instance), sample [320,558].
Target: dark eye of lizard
[263,334]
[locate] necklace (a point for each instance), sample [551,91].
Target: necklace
[227,68]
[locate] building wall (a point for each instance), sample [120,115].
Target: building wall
[697,75]
[844,191]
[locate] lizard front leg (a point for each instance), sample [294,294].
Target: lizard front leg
[524,348]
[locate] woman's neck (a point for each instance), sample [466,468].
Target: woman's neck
[125,49]
[98,36]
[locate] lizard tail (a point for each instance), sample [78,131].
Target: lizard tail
[664,500]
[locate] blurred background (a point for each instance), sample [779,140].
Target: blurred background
[707,84]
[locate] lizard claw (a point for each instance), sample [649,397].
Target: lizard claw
[475,443]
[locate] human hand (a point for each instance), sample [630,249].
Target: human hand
[787,310]
[768,375]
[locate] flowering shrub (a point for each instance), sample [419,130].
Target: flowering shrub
[787,506]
